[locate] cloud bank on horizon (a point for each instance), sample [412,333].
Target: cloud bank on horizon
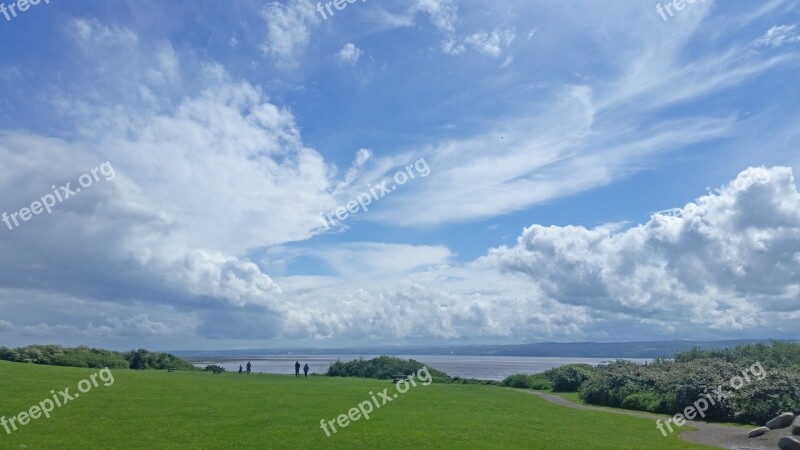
[552,133]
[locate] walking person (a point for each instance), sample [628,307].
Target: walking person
[249,366]
[305,370]
[297,368]
[240,368]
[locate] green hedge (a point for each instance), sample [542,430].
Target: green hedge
[521,381]
[670,386]
[570,377]
[56,355]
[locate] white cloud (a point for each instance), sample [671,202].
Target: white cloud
[288,30]
[349,54]
[491,44]
[358,261]
[779,35]
[204,174]
[210,170]
[726,262]
[600,129]
[361,158]
[443,13]
[93,33]
[166,67]
[479,178]
[488,43]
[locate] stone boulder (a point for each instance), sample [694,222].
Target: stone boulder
[757,432]
[789,443]
[796,427]
[782,421]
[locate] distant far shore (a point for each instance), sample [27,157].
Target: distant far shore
[608,350]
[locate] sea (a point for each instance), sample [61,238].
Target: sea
[480,367]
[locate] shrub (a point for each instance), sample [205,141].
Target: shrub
[669,387]
[384,367]
[95,358]
[143,359]
[519,381]
[569,378]
[642,401]
[214,368]
[459,380]
[540,382]
[760,401]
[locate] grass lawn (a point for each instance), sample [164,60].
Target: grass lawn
[576,398]
[150,409]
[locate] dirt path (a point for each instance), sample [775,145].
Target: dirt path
[707,433]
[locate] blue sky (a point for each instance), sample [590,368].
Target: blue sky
[551,133]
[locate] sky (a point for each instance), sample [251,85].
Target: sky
[199,175]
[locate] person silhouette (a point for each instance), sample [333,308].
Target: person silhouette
[249,366]
[297,368]
[305,370]
[240,368]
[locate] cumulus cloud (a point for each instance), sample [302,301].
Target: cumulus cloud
[203,175]
[349,54]
[727,261]
[212,172]
[437,303]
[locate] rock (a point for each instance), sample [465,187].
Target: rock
[782,421]
[796,427]
[757,432]
[789,443]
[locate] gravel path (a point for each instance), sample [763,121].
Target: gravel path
[707,433]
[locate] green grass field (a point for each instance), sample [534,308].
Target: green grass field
[150,409]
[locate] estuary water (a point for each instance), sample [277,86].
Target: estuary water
[480,367]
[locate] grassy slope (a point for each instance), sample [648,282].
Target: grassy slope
[192,410]
[576,398]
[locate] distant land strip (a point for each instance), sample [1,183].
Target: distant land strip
[651,349]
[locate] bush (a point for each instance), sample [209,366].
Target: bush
[459,380]
[540,382]
[214,368]
[642,401]
[521,381]
[143,359]
[95,358]
[384,367]
[759,402]
[669,387]
[570,377]
[55,355]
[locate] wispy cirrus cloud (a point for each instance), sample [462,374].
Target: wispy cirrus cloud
[779,35]
[289,26]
